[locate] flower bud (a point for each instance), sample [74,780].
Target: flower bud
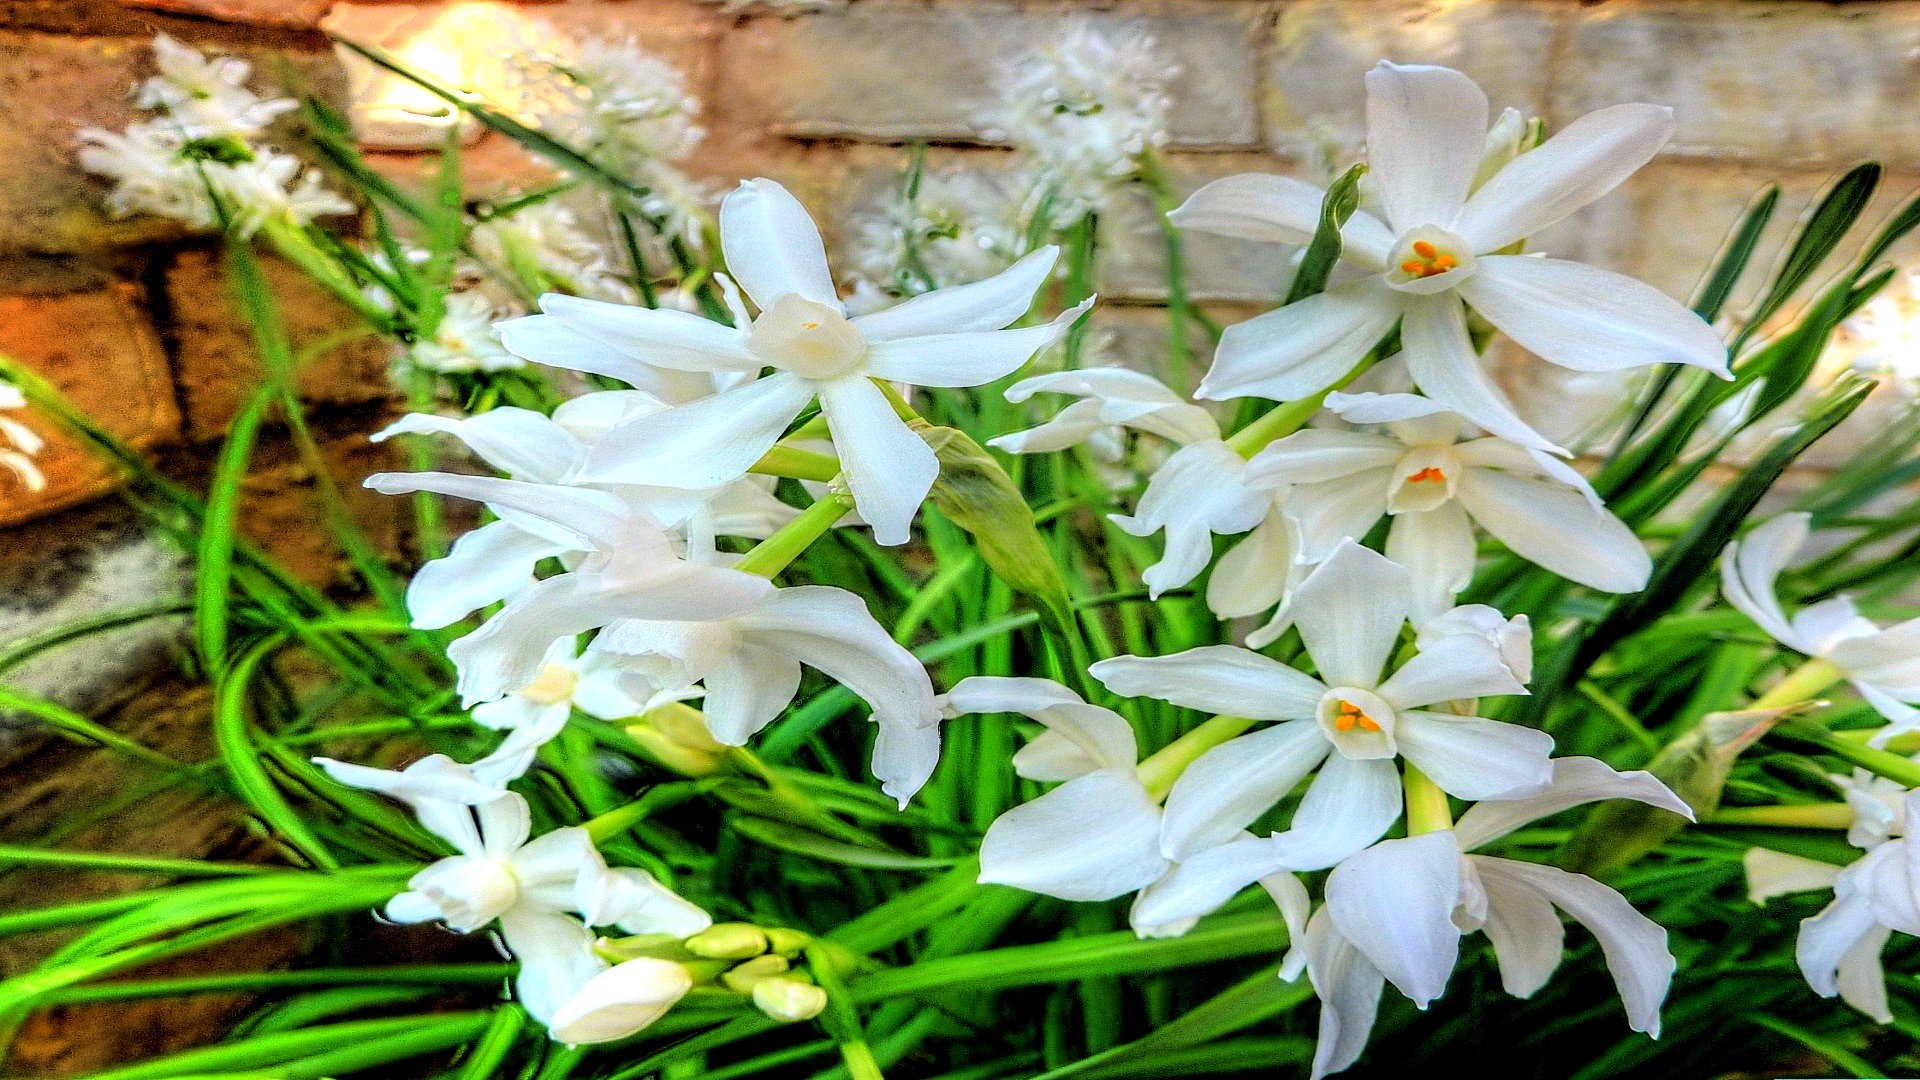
[620,1001]
[743,978]
[676,736]
[789,1000]
[728,941]
[786,942]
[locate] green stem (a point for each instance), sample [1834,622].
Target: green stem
[1801,684]
[1427,809]
[1285,419]
[776,552]
[1900,770]
[1800,816]
[1160,771]
[797,464]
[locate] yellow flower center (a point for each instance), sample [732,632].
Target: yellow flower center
[1348,715]
[553,685]
[1428,261]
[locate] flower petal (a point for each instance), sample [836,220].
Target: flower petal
[831,630]
[1474,758]
[1256,573]
[653,337]
[966,358]
[904,757]
[1170,906]
[1349,988]
[772,247]
[1349,805]
[487,565]
[1436,546]
[1556,527]
[888,468]
[1441,359]
[620,1001]
[1576,782]
[1277,209]
[1452,668]
[748,691]
[1589,319]
[1528,939]
[1350,611]
[1750,568]
[1774,873]
[1334,511]
[1426,133]
[1195,494]
[1317,455]
[1092,838]
[556,958]
[547,339]
[990,304]
[524,444]
[1298,350]
[1085,737]
[1227,787]
[1579,164]
[1221,679]
[1394,902]
[703,444]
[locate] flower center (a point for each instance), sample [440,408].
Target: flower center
[1424,480]
[811,340]
[1358,722]
[553,685]
[1428,260]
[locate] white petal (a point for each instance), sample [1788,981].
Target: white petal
[772,247]
[1556,527]
[1105,383]
[831,630]
[991,304]
[1576,781]
[1277,209]
[1440,357]
[1523,926]
[1229,786]
[1750,568]
[1394,902]
[1635,946]
[1195,494]
[748,691]
[489,564]
[968,358]
[656,337]
[1301,349]
[556,958]
[1773,873]
[1256,573]
[1350,611]
[1338,510]
[904,757]
[1170,906]
[1888,659]
[1588,319]
[1222,679]
[1579,164]
[635,902]
[1369,407]
[1474,758]
[596,520]
[1862,982]
[1093,838]
[1436,546]
[1426,132]
[1082,736]
[545,339]
[620,1001]
[703,444]
[887,466]
[1349,989]
[1451,668]
[524,444]
[1316,455]
[1349,805]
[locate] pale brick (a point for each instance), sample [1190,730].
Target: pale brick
[1315,103]
[888,70]
[1760,80]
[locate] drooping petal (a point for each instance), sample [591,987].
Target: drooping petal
[1170,906]
[556,958]
[888,468]
[1750,568]
[635,902]
[595,520]
[967,358]
[546,339]
[1436,546]
[1350,611]
[1589,319]
[1079,737]
[1426,132]
[1528,938]
[1441,359]
[1475,758]
[654,337]
[620,1001]
[1349,805]
[748,691]
[1394,902]
[1579,164]
[1122,396]
[1092,838]
[990,304]
[550,868]
[831,630]
[487,565]
[524,444]
[703,444]
[1298,350]
[904,757]
[1221,679]
[1576,782]
[1337,510]
[772,247]
[1316,455]
[1195,494]
[1348,986]
[1556,527]
[1229,786]
[1258,572]
[1451,668]
[1277,209]
[1635,946]
[1775,873]
[1369,407]
[1861,981]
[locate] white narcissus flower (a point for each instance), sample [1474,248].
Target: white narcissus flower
[496,561]
[1350,724]
[1396,913]
[533,715]
[750,663]
[948,337]
[465,340]
[1197,493]
[1883,664]
[1436,486]
[206,97]
[1439,248]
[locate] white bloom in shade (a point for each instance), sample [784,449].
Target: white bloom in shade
[1436,487]
[544,243]
[620,1001]
[1438,247]
[274,186]
[206,97]
[537,712]
[749,660]
[497,560]
[19,444]
[1350,727]
[1396,913]
[948,337]
[465,340]
[1883,664]
[1198,492]
[155,171]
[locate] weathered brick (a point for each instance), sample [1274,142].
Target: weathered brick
[890,70]
[90,337]
[1315,104]
[218,364]
[50,88]
[301,14]
[1755,79]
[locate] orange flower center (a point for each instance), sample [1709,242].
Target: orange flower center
[1428,261]
[1428,475]
[1349,715]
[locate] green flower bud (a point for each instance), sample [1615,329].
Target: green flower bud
[789,1000]
[728,941]
[743,978]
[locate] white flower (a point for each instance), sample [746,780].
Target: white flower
[1197,493]
[1396,913]
[496,561]
[537,712]
[1441,243]
[155,171]
[619,1001]
[1512,637]
[750,659]
[948,337]
[1436,487]
[206,97]
[465,340]
[19,443]
[1350,724]
[545,243]
[1882,664]
[958,227]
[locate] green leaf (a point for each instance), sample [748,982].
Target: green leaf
[798,841]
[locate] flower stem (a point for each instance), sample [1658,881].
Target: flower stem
[1900,770]
[776,552]
[1285,419]
[1160,771]
[1801,684]
[797,464]
[1427,809]
[1800,816]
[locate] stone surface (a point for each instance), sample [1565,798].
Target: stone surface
[1753,79]
[303,14]
[892,70]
